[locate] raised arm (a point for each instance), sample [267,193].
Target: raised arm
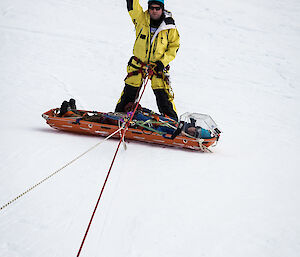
[135,10]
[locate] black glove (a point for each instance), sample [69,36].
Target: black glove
[159,66]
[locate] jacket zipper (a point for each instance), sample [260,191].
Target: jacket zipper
[148,39]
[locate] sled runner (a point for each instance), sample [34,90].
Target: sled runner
[193,131]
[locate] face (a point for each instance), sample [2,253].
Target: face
[191,131]
[155,11]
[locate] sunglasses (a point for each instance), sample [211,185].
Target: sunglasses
[157,8]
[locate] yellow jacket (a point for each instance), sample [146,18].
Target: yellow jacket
[165,42]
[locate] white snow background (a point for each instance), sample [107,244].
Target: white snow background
[238,62]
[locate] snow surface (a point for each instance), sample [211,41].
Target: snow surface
[239,62]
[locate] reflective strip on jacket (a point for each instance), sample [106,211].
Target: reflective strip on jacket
[165,42]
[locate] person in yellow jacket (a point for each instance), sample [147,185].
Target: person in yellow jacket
[157,42]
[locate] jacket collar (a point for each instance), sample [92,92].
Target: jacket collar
[164,25]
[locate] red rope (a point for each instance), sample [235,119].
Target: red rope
[112,163]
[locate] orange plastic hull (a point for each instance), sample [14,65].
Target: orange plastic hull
[99,129]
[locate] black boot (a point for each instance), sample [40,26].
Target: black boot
[72,104]
[64,108]
[128,95]
[163,103]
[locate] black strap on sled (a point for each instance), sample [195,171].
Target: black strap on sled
[77,121]
[178,130]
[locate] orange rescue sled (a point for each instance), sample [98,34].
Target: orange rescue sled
[79,125]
